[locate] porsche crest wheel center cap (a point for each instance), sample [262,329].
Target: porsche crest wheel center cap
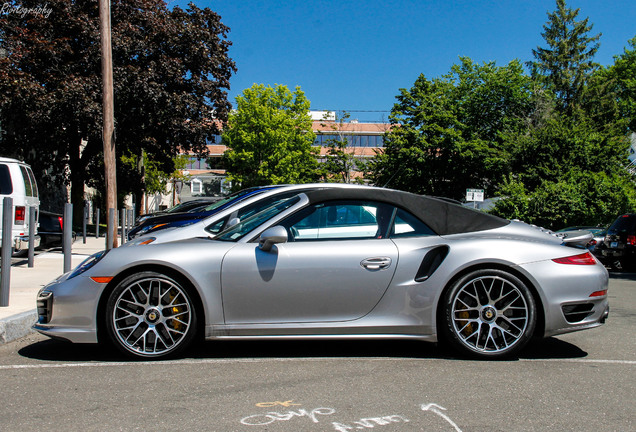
[488,314]
[152,316]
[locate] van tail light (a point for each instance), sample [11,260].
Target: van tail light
[631,240]
[20,213]
[582,259]
[61,220]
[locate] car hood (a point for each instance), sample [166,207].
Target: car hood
[180,255]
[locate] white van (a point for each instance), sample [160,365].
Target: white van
[17,182]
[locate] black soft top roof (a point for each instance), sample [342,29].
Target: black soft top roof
[441,216]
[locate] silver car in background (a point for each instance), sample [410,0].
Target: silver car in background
[333,263]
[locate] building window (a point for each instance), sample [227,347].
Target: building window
[196,186]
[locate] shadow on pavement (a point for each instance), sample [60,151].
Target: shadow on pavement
[52,350]
[551,348]
[55,350]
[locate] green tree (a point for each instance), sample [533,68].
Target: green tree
[568,60]
[577,198]
[569,168]
[269,138]
[567,172]
[451,130]
[622,75]
[170,71]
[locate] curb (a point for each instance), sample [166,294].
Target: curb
[17,326]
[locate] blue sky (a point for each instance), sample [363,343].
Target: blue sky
[356,55]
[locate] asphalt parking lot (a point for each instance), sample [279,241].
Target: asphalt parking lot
[577,382]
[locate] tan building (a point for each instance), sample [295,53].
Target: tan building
[363,139]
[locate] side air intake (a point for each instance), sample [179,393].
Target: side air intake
[431,262]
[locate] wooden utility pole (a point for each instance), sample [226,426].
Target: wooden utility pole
[109,113]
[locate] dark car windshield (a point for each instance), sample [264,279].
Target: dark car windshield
[624,223]
[238,231]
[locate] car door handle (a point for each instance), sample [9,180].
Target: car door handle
[376,263]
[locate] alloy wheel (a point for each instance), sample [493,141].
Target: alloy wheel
[151,317]
[490,315]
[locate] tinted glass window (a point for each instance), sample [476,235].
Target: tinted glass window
[340,220]
[407,225]
[27,181]
[624,223]
[6,187]
[34,184]
[217,226]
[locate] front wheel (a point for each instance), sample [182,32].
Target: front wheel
[488,314]
[150,315]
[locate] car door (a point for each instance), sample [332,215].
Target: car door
[335,267]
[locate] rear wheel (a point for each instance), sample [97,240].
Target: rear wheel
[488,314]
[150,315]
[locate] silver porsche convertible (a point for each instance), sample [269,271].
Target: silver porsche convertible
[336,263]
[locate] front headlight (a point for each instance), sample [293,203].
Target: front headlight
[88,263]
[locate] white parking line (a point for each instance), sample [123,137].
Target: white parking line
[272,360]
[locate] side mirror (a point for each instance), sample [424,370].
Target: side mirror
[272,236]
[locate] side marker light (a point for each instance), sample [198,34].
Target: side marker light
[102,279]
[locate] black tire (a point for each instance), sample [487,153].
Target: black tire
[488,314]
[150,315]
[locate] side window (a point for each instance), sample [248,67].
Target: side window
[407,225]
[34,184]
[340,220]
[6,187]
[27,181]
[217,226]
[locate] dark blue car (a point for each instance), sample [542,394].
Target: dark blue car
[170,220]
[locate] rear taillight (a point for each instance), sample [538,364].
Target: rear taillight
[20,213]
[631,240]
[61,220]
[582,259]
[592,242]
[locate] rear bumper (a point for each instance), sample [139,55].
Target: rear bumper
[571,296]
[22,242]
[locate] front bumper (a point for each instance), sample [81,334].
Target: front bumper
[67,309]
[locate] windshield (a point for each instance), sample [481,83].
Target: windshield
[238,231]
[623,224]
[236,196]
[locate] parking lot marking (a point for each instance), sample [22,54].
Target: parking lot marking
[271,404]
[272,360]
